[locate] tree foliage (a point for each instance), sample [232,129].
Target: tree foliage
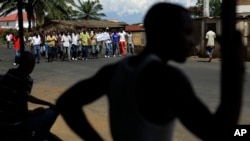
[41,9]
[89,10]
[214,8]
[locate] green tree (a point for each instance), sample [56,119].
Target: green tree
[214,8]
[89,10]
[54,9]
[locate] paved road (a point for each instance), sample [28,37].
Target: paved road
[51,79]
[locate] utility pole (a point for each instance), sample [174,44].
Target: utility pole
[206,8]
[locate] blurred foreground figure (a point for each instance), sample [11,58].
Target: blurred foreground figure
[17,122]
[145,93]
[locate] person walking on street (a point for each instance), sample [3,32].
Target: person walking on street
[210,43]
[17,47]
[122,41]
[85,42]
[108,45]
[66,39]
[115,41]
[130,43]
[75,45]
[36,42]
[51,39]
[9,39]
[95,48]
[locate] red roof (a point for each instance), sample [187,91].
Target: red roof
[134,28]
[13,17]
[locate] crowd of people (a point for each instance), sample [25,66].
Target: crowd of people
[75,45]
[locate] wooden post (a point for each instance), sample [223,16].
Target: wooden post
[232,65]
[20,24]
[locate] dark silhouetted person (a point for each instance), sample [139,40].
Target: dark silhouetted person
[145,93]
[39,120]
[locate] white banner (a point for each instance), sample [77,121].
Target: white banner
[102,36]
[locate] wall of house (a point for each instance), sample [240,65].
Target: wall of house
[139,38]
[10,24]
[25,24]
[197,37]
[243,26]
[13,24]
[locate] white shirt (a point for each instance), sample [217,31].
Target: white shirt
[66,39]
[8,38]
[210,36]
[130,36]
[75,38]
[107,40]
[122,36]
[36,40]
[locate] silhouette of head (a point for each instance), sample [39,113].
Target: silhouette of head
[169,31]
[27,62]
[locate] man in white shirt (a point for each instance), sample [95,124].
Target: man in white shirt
[210,43]
[66,39]
[122,41]
[9,38]
[75,45]
[122,35]
[107,44]
[130,44]
[36,42]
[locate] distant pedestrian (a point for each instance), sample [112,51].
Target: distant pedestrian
[9,39]
[66,40]
[85,42]
[122,40]
[51,39]
[108,44]
[95,47]
[43,39]
[16,42]
[210,43]
[115,43]
[36,41]
[130,43]
[29,42]
[75,45]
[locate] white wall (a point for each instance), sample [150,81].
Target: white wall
[242,8]
[14,24]
[10,24]
[25,24]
